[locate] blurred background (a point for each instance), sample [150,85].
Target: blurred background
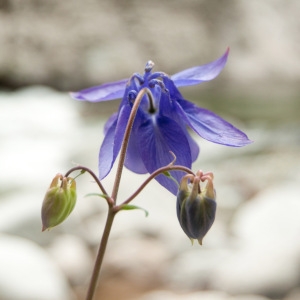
[51,47]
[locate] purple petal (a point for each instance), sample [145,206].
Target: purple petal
[106,156]
[194,147]
[156,140]
[106,91]
[168,109]
[199,74]
[112,119]
[112,142]
[133,160]
[210,126]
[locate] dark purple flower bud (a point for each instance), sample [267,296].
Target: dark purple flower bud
[196,209]
[59,201]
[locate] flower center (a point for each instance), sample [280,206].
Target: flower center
[152,81]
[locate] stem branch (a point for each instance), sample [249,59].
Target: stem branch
[82,168]
[153,175]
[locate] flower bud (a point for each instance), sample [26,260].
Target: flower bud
[59,201]
[196,209]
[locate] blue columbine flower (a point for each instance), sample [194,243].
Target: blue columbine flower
[162,126]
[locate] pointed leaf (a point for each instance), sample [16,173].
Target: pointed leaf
[131,207]
[95,194]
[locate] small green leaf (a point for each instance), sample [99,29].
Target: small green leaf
[95,194]
[168,174]
[81,173]
[131,207]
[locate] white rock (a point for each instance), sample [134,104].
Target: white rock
[37,125]
[142,260]
[248,297]
[167,295]
[27,272]
[73,257]
[193,268]
[20,215]
[266,259]
[40,132]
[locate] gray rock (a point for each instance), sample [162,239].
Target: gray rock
[293,295]
[110,40]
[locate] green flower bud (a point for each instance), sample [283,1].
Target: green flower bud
[59,201]
[196,209]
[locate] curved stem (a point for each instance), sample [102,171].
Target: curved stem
[152,176]
[123,150]
[82,168]
[101,251]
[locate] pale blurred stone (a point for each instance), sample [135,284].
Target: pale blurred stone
[142,260]
[205,295]
[73,257]
[167,295]
[28,272]
[266,257]
[37,125]
[193,268]
[293,294]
